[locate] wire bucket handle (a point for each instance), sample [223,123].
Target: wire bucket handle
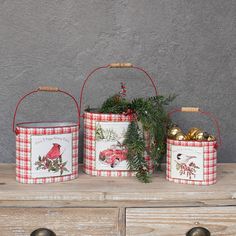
[116,65]
[208,114]
[43,89]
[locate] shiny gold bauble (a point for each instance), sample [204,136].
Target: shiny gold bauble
[201,136]
[211,138]
[171,133]
[191,132]
[180,136]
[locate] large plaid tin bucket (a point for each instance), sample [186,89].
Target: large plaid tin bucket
[103,154]
[192,162]
[46,152]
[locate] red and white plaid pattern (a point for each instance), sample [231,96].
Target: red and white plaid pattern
[209,162]
[23,153]
[90,120]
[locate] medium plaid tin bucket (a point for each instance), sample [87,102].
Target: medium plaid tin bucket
[105,156]
[46,152]
[192,162]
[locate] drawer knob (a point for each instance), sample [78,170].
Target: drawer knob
[43,232]
[198,231]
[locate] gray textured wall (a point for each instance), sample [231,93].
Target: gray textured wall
[188,46]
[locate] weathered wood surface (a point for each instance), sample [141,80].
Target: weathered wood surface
[220,221]
[117,206]
[108,191]
[63,222]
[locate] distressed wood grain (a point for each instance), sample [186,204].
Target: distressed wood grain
[63,222]
[117,206]
[220,221]
[104,189]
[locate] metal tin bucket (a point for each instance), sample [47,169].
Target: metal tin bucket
[46,152]
[105,156]
[192,162]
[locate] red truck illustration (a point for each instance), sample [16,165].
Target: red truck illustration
[113,156]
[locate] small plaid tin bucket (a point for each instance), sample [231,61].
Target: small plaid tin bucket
[192,162]
[46,152]
[106,156]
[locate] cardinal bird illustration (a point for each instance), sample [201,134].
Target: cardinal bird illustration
[183,159]
[54,152]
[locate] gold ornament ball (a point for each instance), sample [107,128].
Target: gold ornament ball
[211,138]
[201,136]
[180,136]
[192,131]
[173,131]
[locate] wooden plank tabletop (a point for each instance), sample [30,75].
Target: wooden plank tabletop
[122,191]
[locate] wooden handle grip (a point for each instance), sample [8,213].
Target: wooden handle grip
[190,109]
[120,65]
[48,89]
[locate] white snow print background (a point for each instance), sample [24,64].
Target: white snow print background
[52,148]
[110,153]
[187,162]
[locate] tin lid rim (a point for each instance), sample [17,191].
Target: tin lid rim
[186,141]
[46,124]
[107,114]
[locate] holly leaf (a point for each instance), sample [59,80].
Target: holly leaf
[64,163]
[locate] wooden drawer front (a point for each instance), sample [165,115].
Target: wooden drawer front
[177,221]
[63,222]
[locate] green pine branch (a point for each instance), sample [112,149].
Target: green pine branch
[115,104]
[135,144]
[152,115]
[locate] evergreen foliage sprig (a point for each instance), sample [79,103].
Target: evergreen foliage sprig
[115,104]
[151,114]
[135,143]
